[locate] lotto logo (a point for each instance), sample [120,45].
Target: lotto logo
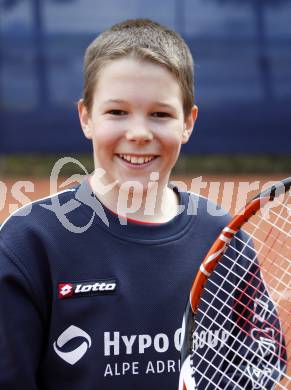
[83,289]
[65,290]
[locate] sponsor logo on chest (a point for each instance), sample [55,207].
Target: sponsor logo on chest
[85,289]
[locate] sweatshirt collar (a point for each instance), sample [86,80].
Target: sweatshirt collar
[131,230]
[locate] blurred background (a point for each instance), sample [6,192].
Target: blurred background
[242,54]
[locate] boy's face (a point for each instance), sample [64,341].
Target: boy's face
[137,123]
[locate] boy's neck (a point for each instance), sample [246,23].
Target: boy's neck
[152,206]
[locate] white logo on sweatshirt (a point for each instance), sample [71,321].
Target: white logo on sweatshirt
[76,354]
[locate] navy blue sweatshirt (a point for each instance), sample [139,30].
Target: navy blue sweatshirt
[91,301]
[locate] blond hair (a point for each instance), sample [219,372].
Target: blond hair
[146,40]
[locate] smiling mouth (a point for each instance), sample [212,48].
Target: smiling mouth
[137,159]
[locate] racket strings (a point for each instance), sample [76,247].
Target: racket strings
[240,314]
[279,248]
[230,307]
[282,270]
[285,233]
[212,364]
[211,379]
[253,319]
[270,238]
[205,314]
[257,241]
[263,243]
[251,299]
[230,362]
[256,277]
[226,318]
[222,326]
[275,225]
[271,248]
[284,273]
[230,347]
[253,275]
[279,216]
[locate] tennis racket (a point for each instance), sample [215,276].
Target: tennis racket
[236,326]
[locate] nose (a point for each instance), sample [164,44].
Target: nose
[139,133]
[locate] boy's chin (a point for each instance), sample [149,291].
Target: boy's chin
[142,183]
[134,187]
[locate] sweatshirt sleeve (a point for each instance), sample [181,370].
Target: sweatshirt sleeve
[21,325]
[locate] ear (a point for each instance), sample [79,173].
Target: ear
[84,117]
[189,123]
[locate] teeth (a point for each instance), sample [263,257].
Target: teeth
[135,159]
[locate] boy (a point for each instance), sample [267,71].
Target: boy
[103,309]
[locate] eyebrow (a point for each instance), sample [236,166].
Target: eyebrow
[165,105]
[120,101]
[114,101]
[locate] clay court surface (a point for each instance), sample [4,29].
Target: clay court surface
[230,191]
